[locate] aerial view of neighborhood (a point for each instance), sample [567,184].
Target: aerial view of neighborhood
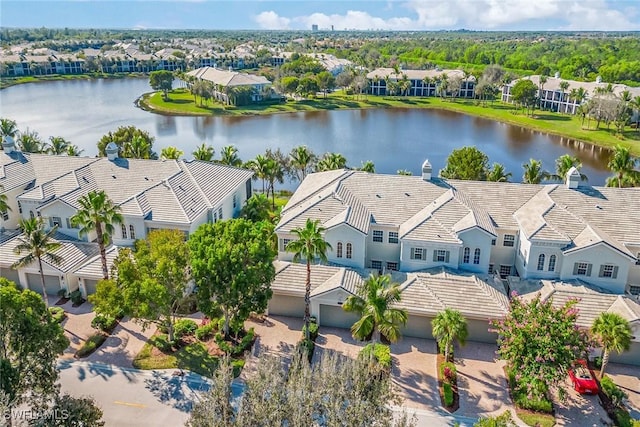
[290,213]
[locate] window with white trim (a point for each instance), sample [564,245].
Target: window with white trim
[552,263]
[20,211]
[505,270]
[418,253]
[582,269]
[465,255]
[220,214]
[283,244]
[378,236]
[339,250]
[392,266]
[349,251]
[377,265]
[476,256]
[440,255]
[609,271]
[235,201]
[634,290]
[509,240]
[491,269]
[393,237]
[493,242]
[5,215]
[541,262]
[132,232]
[123,229]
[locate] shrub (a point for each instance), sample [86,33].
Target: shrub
[313,331]
[221,324]
[205,331]
[245,343]
[448,372]
[381,352]
[91,345]
[448,394]
[57,313]
[103,322]
[522,400]
[76,297]
[305,347]
[237,366]
[184,328]
[613,392]
[62,293]
[623,419]
[161,342]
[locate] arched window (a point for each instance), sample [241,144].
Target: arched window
[541,262]
[132,232]
[552,263]
[476,256]
[124,231]
[339,250]
[349,250]
[465,256]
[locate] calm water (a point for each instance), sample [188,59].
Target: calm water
[83,111]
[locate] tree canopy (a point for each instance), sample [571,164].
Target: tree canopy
[466,163]
[133,143]
[161,80]
[232,265]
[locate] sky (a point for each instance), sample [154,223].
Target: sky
[494,15]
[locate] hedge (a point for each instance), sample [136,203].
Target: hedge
[184,328]
[57,313]
[381,352]
[448,394]
[91,345]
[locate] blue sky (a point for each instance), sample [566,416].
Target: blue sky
[298,14]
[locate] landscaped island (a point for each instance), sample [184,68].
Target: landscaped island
[181,102]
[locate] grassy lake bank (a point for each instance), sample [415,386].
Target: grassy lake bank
[181,102]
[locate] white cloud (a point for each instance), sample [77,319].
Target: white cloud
[271,21]
[474,14]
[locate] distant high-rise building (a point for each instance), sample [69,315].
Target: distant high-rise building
[314,27]
[332,28]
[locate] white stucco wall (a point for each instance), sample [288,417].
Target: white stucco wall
[475,238]
[14,212]
[64,212]
[598,255]
[139,227]
[407,264]
[346,234]
[503,255]
[382,251]
[534,251]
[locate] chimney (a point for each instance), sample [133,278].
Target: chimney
[557,75]
[598,79]
[112,151]
[573,178]
[426,170]
[8,144]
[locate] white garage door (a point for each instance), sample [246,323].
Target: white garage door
[335,316]
[284,305]
[10,274]
[631,357]
[52,283]
[479,331]
[418,327]
[90,286]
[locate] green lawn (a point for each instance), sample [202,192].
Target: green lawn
[11,81]
[181,102]
[536,419]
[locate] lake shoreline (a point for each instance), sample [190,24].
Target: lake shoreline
[153,103]
[7,82]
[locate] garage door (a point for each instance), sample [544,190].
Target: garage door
[417,327]
[335,316]
[52,283]
[283,305]
[10,274]
[479,331]
[631,357]
[90,286]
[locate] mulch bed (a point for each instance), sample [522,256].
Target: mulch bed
[456,396]
[62,301]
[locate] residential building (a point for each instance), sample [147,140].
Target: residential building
[151,194]
[554,98]
[423,82]
[224,82]
[404,223]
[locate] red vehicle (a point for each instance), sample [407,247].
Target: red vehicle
[582,378]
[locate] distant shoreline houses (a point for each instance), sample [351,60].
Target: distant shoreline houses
[433,82]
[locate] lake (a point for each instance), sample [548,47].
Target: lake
[82,111]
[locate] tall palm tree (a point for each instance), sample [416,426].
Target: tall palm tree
[622,164]
[99,214]
[368,166]
[404,172]
[259,166]
[204,152]
[73,150]
[533,172]
[566,162]
[448,326]
[614,334]
[229,156]
[373,303]
[635,105]
[309,245]
[57,145]
[37,245]
[137,148]
[274,173]
[171,153]
[30,142]
[8,127]
[498,173]
[302,161]
[331,161]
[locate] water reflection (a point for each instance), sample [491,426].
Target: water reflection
[166,125]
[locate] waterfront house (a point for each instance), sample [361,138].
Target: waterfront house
[225,81]
[422,82]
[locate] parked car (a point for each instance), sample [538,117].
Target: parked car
[582,378]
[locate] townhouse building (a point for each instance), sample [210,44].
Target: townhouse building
[422,82]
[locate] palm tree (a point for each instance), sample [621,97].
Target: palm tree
[449,325]
[404,172]
[373,303]
[302,161]
[635,104]
[171,153]
[533,172]
[566,162]
[622,164]
[73,150]
[37,245]
[4,206]
[57,145]
[259,167]
[309,245]
[273,173]
[229,156]
[137,148]
[99,214]
[498,173]
[203,152]
[368,166]
[614,334]
[8,127]
[331,161]
[30,142]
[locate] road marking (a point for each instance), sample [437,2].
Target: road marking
[135,405]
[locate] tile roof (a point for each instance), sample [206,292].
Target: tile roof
[228,78]
[290,279]
[92,268]
[553,83]
[381,73]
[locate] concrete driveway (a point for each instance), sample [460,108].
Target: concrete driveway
[336,340]
[627,377]
[77,325]
[579,409]
[414,373]
[122,346]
